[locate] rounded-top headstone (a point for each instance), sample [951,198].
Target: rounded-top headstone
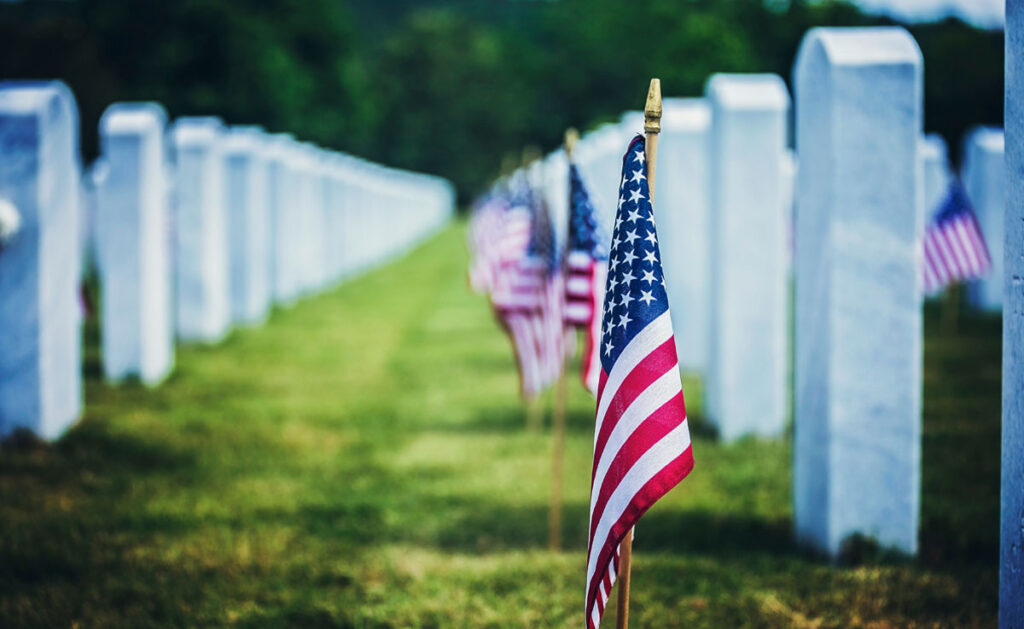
[199,131]
[985,183]
[858,345]
[681,206]
[748,91]
[248,193]
[746,388]
[132,243]
[201,237]
[40,346]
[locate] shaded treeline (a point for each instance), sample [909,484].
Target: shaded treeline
[446,86]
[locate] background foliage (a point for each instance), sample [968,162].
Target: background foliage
[446,86]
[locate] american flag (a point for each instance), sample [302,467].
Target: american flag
[586,273]
[954,248]
[641,437]
[499,234]
[527,293]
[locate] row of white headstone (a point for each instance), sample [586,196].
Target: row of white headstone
[744,237]
[194,228]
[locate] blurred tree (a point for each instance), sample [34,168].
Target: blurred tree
[447,86]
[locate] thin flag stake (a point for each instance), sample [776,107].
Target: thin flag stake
[652,127]
[534,405]
[558,421]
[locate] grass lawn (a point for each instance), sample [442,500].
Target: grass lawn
[361,461]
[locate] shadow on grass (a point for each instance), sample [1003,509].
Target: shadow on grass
[506,419]
[91,447]
[499,527]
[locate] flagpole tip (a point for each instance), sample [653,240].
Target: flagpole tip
[652,110]
[572,136]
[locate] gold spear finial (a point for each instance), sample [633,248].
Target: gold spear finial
[572,136]
[652,110]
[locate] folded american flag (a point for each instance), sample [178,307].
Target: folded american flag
[586,271]
[954,248]
[641,437]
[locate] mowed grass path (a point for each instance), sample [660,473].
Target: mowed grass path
[361,461]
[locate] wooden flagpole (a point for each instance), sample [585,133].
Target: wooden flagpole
[652,127]
[534,405]
[558,428]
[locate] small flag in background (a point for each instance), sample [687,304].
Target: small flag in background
[527,291]
[641,436]
[954,248]
[586,273]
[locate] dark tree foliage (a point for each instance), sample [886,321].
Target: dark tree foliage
[447,86]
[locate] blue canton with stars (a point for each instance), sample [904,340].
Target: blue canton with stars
[542,235]
[635,293]
[954,205]
[583,231]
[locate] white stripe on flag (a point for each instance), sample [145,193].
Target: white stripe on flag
[656,333]
[660,391]
[651,463]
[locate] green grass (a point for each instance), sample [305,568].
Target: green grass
[361,461]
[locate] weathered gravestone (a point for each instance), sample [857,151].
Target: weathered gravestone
[985,182]
[201,238]
[40,318]
[1011,544]
[133,244]
[935,164]
[747,375]
[857,448]
[681,204]
[248,207]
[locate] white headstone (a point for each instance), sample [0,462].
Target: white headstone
[857,447]
[935,164]
[308,244]
[746,390]
[355,215]
[320,236]
[133,244]
[1011,542]
[248,203]
[345,199]
[283,217]
[682,205]
[598,157]
[40,318]
[789,174]
[985,183]
[556,195]
[332,216]
[201,238]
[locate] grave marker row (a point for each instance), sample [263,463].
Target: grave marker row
[196,228]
